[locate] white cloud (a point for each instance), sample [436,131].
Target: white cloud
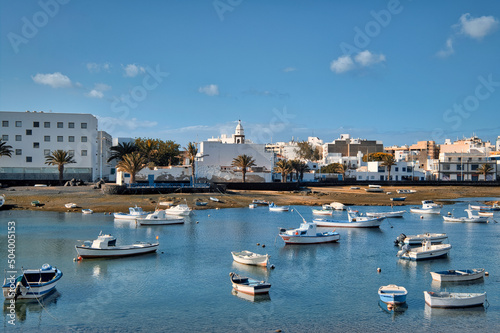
[210,90]
[55,80]
[289,69]
[478,27]
[132,70]
[366,58]
[98,90]
[447,50]
[342,64]
[96,68]
[124,125]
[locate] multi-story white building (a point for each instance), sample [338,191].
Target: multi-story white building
[402,170]
[463,166]
[33,135]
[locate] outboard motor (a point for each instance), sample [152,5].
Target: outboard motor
[400,239]
[404,249]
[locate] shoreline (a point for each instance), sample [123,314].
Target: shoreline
[53,198]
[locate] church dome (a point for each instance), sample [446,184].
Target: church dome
[239,129]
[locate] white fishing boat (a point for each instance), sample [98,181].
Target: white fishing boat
[426,251]
[399,213]
[354,220]
[252,205]
[471,218]
[274,208]
[134,212]
[251,258]
[458,275]
[87,211]
[307,234]
[247,285]
[105,246]
[33,283]
[159,217]
[70,205]
[493,207]
[428,207]
[181,209]
[322,212]
[453,300]
[392,294]
[334,206]
[434,238]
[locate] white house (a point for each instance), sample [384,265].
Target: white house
[402,170]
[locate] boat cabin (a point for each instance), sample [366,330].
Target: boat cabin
[135,210]
[102,242]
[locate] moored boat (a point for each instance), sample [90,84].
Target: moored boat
[493,207]
[274,208]
[105,246]
[134,212]
[354,220]
[398,199]
[70,205]
[487,214]
[260,202]
[322,212]
[181,209]
[434,238]
[399,213]
[247,285]
[307,234]
[87,211]
[392,294]
[251,258]
[428,207]
[374,188]
[471,218]
[33,283]
[334,206]
[457,275]
[453,300]
[252,205]
[159,217]
[405,191]
[426,251]
[201,203]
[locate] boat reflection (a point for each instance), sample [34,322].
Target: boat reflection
[454,312]
[440,284]
[125,224]
[261,271]
[252,298]
[23,306]
[393,309]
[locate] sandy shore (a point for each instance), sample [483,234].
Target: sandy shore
[53,198]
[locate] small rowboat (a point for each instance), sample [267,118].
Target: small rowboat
[70,205]
[201,203]
[307,234]
[33,283]
[453,300]
[252,205]
[322,212]
[398,199]
[249,286]
[392,294]
[274,208]
[457,275]
[250,258]
[387,214]
[87,211]
[485,214]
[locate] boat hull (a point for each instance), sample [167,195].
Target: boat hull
[292,239]
[36,290]
[435,251]
[251,259]
[160,221]
[249,286]
[436,210]
[123,216]
[375,223]
[118,251]
[479,219]
[415,240]
[387,214]
[454,300]
[458,275]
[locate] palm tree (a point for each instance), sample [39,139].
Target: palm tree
[132,163]
[284,167]
[484,169]
[60,158]
[243,162]
[5,149]
[388,161]
[191,151]
[299,167]
[117,152]
[341,168]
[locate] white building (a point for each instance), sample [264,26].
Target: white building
[462,166]
[33,135]
[402,170]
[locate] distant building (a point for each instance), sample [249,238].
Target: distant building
[400,171]
[462,166]
[466,145]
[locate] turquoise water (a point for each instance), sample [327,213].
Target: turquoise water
[185,286]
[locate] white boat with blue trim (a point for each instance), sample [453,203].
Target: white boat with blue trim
[181,209]
[275,208]
[458,275]
[159,217]
[354,220]
[33,283]
[249,286]
[105,246]
[307,234]
[426,251]
[428,207]
[134,213]
[470,218]
[392,294]
[453,300]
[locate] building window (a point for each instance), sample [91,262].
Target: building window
[18,137]
[46,138]
[46,124]
[59,138]
[403,169]
[71,139]
[474,167]
[19,123]
[5,137]
[396,169]
[29,159]
[446,167]
[5,123]
[59,124]
[84,139]
[84,153]
[84,125]
[36,144]
[46,152]
[28,132]
[19,151]
[71,125]
[71,153]
[459,167]
[36,124]
[409,169]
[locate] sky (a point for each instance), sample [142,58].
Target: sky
[395,71]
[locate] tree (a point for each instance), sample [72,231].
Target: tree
[284,167]
[191,151]
[59,158]
[484,169]
[132,163]
[330,168]
[299,167]
[243,162]
[375,157]
[341,168]
[158,152]
[388,161]
[304,150]
[5,149]
[318,153]
[122,149]
[149,149]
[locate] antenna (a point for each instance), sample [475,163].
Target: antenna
[303,219]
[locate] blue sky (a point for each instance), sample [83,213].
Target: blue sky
[396,71]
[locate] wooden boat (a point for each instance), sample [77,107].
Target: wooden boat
[201,203]
[247,285]
[453,300]
[457,275]
[252,205]
[488,214]
[250,258]
[134,213]
[159,217]
[181,209]
[405,191]
[392,294]
[426,251]
[33,283]
[386,214]
[322,212]
[470,218]
[398,199]
[214,199]
[434,238]
[87,211]
[354,220]
[105,246]
[307,234]
[70,205]
[274,208]
[428,207]
[494,207]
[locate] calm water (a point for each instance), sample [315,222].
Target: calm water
[186,287]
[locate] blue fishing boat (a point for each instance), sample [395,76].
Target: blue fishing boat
[33,283]
[392,294]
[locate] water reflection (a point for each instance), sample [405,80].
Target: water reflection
[22,306]
[459,313]
[447,284]
[252,298]
[125,224]
[251,270]
[394,310]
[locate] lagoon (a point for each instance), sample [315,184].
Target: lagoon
[185,286]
